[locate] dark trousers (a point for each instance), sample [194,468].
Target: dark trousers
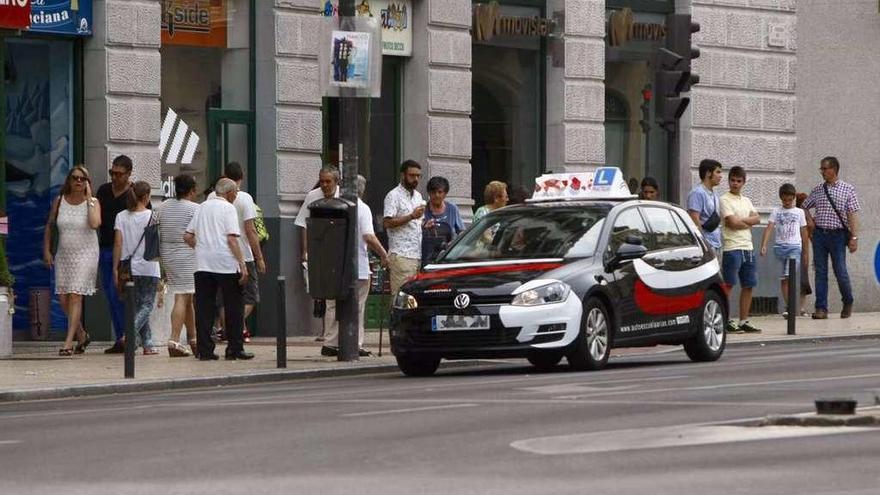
[208,284]
[831,243]
[115,303]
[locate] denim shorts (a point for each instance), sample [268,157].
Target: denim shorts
[740,265]
[785,252]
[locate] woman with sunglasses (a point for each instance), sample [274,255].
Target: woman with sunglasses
[77,215]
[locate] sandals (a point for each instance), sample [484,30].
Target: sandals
[177,350]
[81,347]
[150,351]
[65,352]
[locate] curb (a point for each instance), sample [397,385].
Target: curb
[269,376]
[802,339]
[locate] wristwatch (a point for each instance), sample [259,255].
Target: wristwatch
[854,238]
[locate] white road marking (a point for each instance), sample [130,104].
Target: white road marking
[9,442]
[670,436]
[412,409]
[597,385]
[730,385]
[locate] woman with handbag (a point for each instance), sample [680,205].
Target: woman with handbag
[136,236]
[76,215]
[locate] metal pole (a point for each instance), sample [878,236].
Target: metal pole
[130,333]
[281,335]
[793,287]
[351,111]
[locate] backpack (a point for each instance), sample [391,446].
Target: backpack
[260,226]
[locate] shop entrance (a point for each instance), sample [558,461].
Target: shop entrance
[508,107]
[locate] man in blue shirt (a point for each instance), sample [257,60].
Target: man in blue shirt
[703,205]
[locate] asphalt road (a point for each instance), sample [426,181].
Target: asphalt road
[647,424]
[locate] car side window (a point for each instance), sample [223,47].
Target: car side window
[687,238]
[665,229]
[628,222]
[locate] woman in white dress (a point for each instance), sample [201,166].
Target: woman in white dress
[179,261]
[77,215]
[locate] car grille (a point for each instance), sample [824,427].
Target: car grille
[465,338]
[446,300]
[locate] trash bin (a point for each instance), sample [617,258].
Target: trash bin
[327,230]
[39,304]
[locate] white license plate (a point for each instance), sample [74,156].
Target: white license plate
[443,323]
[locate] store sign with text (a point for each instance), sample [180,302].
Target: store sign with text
[15,14]
[395,17]
[194,23]
[66,17]
[490,22]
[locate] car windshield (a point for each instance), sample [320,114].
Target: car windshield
[531,233]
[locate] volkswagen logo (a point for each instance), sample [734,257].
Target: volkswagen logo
[462,301]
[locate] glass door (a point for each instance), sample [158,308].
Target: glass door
[231,139]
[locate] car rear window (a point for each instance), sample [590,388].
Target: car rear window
[530,233]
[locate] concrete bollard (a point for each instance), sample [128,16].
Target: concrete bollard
[5,323]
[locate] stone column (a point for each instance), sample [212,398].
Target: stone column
[437,95]
[576,91]
[289,144]
[122,72]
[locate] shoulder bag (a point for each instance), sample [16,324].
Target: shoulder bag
[839,216]
[151,240]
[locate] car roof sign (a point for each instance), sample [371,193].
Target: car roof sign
[602,183]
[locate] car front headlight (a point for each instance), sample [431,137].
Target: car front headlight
[554,292]
[404,301]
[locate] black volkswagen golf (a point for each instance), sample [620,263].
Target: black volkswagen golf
[581,268]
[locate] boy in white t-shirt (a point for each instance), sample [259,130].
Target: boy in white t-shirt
[790,225]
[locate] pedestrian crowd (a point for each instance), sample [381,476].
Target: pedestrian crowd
[825,220]
[209,255]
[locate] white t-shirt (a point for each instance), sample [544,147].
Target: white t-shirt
[365,226]
[788,223]
[131,224]
[247,210]
[405,240]
[311,197]
[215,219]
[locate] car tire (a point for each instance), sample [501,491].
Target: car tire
[417,364]
[593,346]
[545,361]
[707,343]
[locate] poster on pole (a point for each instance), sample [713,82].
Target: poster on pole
[350,59]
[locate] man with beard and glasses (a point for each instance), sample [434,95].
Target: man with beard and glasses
[403,209]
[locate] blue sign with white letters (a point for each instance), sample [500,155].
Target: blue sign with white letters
[604,176]
[66,17]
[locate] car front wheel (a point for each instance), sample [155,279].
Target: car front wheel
[418,364]
[707,343]
[593,346]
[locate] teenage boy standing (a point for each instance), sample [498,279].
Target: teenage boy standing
[738,253]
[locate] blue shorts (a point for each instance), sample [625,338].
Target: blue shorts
[739,264]
[785,252]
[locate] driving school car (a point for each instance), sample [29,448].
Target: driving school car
[581,268]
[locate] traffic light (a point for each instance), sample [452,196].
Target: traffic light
[673,70]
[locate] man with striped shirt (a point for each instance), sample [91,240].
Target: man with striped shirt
[835,203]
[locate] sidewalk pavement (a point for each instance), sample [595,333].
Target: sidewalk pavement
[37,372]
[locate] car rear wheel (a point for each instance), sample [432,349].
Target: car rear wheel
[707,344]
[593,346]
[418,364]
[545,361]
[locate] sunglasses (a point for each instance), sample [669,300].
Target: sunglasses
[114,173]
[79,178]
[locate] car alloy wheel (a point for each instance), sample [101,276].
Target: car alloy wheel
[597,334]
[707,342]
[593,347]
[713,325]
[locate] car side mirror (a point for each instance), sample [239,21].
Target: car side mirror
[631,249]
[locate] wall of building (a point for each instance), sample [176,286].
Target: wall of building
[839,114]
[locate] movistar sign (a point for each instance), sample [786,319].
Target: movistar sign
[66,17]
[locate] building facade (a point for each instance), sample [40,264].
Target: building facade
[475,91]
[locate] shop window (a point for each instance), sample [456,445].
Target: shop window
[39,153]
[206,64]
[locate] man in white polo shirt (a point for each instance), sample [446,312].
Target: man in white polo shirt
[403,211]
[220,266]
